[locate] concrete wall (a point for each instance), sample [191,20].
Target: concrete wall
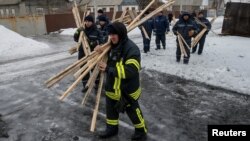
[28,25]
[8,2]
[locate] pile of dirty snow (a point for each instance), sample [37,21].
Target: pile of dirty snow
[68,31]
[14,45]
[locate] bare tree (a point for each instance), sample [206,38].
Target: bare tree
[217,5]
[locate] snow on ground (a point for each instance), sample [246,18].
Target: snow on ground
[224,62]
[14,46]
[68,31]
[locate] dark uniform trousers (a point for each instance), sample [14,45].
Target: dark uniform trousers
[178,52]
[80,56]
[131,108]
[201,45]
[146,42]
[160,38]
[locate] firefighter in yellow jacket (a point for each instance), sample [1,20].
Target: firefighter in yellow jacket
[122,83]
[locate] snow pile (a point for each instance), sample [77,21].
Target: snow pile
[217,25]
[14,46]
[68,31]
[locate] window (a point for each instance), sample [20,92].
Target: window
[133,8]
[13,12]
[54,10]
[39,10]
[7,12]
[1,12]
[111,9]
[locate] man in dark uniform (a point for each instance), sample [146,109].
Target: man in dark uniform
[148,26]
[170,17]
[203,38]
[122,83]
[161,25]
[94,38]
[99,14]
[103,27]
[188,29]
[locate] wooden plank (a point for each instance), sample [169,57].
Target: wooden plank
[140,15]
[123,15]
[83,68]
[75,17]
[183,40]
[114,14]
[198,37]
[91,83]
[68,70]
[66,93]
[150,15]
[98,97]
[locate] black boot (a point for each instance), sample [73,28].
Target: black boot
[178,60]
[185,61]
[110,131]
[84,89]
[139,136]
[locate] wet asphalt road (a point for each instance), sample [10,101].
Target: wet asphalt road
[175,109]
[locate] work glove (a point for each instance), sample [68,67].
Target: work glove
[191,33]
[80,29]
[77,33]
[76,36]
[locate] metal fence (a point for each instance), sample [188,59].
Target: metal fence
[237,19]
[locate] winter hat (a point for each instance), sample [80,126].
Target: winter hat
[100,11]
[118,28]
[89,18]
[186,14]
[200,13]
[102,18]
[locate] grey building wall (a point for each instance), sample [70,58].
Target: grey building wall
[188,2]
[33,7]
[29,25]
[9,2]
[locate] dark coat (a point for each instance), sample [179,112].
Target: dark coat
[94,38]
[161,24]
[149,26]
[104,31]
[123,68]
[206,22]
[183,27]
